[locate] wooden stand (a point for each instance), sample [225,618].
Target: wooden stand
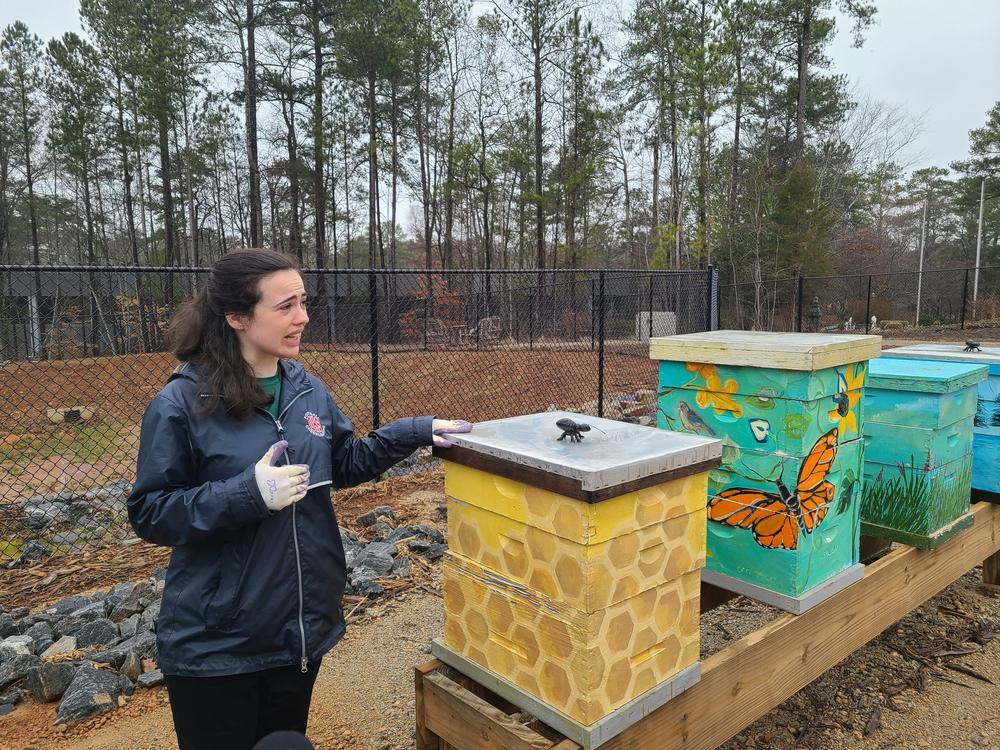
[742,682]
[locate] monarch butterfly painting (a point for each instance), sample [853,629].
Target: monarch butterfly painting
[776,518]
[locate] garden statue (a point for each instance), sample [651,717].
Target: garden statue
[815,314]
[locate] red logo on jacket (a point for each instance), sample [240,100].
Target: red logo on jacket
[314,425]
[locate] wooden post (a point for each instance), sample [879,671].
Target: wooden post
[426,740]
[991,573]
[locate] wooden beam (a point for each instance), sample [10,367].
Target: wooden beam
[462,719]
[426,739]
[746,680]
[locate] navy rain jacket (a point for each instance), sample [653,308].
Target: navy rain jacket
[248,589]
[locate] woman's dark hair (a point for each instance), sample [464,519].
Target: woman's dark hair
[198,332]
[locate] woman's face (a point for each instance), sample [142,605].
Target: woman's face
[274,330]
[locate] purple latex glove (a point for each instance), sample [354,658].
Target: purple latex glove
[441,427]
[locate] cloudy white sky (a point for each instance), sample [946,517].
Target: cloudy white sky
[939,59]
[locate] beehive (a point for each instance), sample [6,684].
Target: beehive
[573,568]
[986,424]
[918,449]
[783,507]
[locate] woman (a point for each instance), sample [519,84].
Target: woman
[237,456]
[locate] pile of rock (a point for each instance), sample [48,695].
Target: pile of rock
[53,654]
[378,552]
[66,520]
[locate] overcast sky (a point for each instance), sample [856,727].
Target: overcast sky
[940,59]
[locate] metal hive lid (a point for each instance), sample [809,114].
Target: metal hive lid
[621,456]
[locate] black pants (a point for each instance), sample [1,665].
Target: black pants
[233,713]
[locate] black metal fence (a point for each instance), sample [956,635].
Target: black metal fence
[884,303]
[82,353]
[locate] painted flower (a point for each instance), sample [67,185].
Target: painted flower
[846,399]
[715,393]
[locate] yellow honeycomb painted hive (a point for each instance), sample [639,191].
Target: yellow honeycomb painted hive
[585,555]
[584,664]
[573,570]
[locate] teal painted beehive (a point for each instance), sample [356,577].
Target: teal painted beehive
[918,449]
[986,425]
[784,506]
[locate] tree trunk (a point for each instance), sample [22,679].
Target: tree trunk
[168,199]
[805,35]
[319,186]
[250,109]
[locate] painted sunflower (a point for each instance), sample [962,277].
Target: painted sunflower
[846,399]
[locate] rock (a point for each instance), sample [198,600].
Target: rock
[41,634]
[381,548]
[430,532]
[381,529]
[7,626]
[143,643]
[33,550]
[100,632]
[377,562]
[69,604]
[132,666]
[140,597]
[41,513]
[68,625]
[369,518]
[435,551]
[12,670]
[363,582]
[151,679]
[149,616]
[401,568]
[129,626]
[19,613]
[90,612]
[114,657]
[63,646]
[16,644]
[47,682]
[399,534]
[92,692]
[6,708]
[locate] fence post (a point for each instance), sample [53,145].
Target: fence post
[708,297]
[479,307]
[600,348]
[868,305]
[531,318]
[965,296]
[373,345]
[593,307]
[649,307]
[799,293]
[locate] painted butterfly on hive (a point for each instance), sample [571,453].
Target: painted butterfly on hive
[775,519]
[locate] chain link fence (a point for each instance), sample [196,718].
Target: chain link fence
[887,303]
[82,353]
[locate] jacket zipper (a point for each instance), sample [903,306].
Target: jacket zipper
[304,663]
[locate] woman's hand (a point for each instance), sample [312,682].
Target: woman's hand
[441,427]
[280,486]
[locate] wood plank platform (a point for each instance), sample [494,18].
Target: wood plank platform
[742,682]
